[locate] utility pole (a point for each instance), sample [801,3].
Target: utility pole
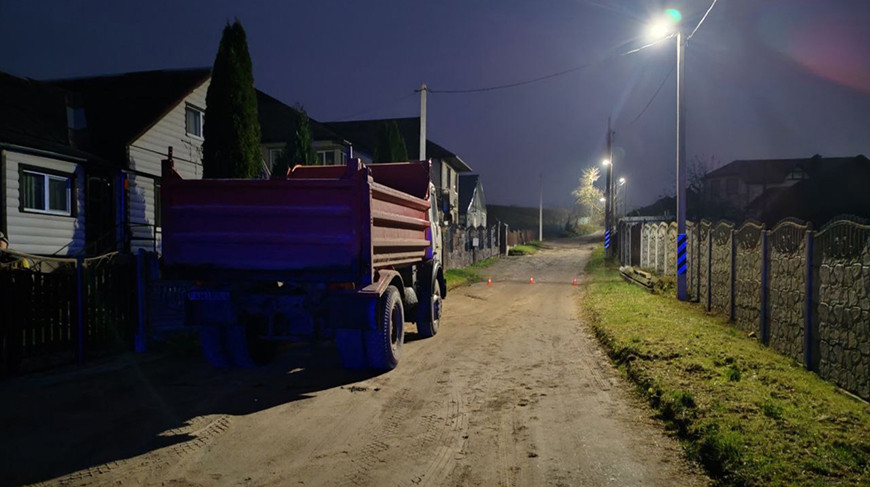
[423,90]
[682,294]
[541,210]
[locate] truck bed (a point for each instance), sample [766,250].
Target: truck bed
[321,223]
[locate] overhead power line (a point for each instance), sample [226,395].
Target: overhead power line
[702,20]
[513,85]
[652,99]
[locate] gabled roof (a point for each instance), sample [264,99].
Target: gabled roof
[467,186]
[278,120]
[120,108]
[772,171]
[364,133]
[33,114]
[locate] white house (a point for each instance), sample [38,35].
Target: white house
[133,119]
[42,169]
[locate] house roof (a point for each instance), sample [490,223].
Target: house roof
[364,133]
[467,186]
[836,186]
[278,120]
[33,115]
[120,108]
[771,171]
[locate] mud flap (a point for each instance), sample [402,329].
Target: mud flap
[350,348]
[213,342]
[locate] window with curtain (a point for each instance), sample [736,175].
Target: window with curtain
[193,118]
[46,193]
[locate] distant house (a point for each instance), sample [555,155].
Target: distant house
[43,168]
[446,166]
[472,201]
[133,119]
[814,189]
[278,121]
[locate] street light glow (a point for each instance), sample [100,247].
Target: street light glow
[665,25]
[621,180]
[603,200]
[605,162]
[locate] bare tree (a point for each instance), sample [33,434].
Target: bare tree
[588,197]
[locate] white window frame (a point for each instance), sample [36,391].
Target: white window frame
[274,154]
[47,193]
[201,114]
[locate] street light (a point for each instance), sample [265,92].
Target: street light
[666,26]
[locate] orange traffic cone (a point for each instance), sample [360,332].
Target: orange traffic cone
[489,281]
[574,282]
[531,279]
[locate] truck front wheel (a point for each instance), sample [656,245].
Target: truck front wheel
[384,343]
[429,309]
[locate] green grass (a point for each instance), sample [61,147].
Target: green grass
[748,414]
[525,249]
[467,275]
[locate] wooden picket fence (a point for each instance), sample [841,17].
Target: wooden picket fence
[55,311]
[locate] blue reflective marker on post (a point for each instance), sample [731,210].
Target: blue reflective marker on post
[607,239]
[681,253]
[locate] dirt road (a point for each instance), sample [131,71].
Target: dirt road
[513,391]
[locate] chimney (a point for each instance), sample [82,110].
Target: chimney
[76,124]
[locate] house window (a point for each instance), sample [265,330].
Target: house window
[326,157]
[731,186]
[46,193]
[274,154]
[193,121]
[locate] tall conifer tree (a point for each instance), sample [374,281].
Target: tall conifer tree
[231,148]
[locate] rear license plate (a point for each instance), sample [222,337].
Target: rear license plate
[208,296]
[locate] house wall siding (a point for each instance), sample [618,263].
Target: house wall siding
[36,233]
[146,154]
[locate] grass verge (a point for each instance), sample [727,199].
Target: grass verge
[525,249]
[748,414]
[467,275]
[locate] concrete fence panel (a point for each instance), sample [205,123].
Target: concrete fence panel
[720,269]
[704,244]
[842,251]
[748,270]
[787,285]
[661,231]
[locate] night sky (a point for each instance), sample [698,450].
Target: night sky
[765,79]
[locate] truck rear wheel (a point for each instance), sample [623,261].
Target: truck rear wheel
[429,309]
[384,343]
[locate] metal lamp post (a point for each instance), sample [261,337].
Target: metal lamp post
[662,28]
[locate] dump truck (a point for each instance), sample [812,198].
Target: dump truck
[348,252]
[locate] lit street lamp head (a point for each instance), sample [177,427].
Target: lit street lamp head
[603,200]
[605,162]
[666,25]
[621,180]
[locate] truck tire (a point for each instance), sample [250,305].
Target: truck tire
[429,309]
[245,346]
[384,343]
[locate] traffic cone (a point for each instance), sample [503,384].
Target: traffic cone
[489,281]
[574,282]
[531,279]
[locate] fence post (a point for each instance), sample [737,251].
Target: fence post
[710,269]
[809,333]
[731,307]
[141,339]
[765,271]
[82,304]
